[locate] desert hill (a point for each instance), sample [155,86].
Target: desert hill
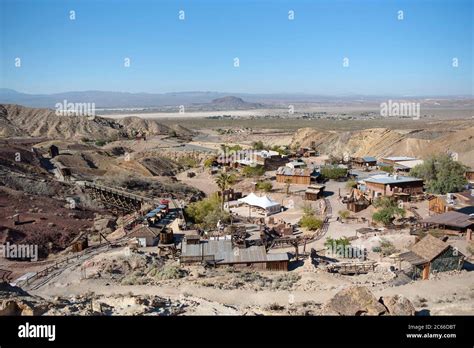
[20,121]
[384,142]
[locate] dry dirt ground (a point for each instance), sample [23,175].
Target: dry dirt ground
[450,293]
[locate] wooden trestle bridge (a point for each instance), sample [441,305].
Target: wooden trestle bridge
[116,199]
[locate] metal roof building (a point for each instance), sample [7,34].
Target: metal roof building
[222,252]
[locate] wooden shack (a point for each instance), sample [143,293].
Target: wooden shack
[146,235]
[431,255]
[301,176]
[224,253]
[314,192]
[192,239]
[451,220]
[460,201]
[363,162]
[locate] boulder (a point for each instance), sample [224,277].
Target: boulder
[356,300]
[398,305]
[104,223]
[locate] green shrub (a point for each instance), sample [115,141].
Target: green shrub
[255,171]
[388,169]
[388,209]
[258,145]
[100,142]
[351,184]
[344,214]
[207,212]
[333,173]
[265,186]
[208,162]
[170,272]
[311,222]
[188,162]
[387,248]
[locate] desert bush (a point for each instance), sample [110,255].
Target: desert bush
[344,214]
[265,186]
[255,171]
[351,184]
[188,162]
[388,169]
[387,248]
[333,173]
[470,248]
[311,222]
[258,145]
[170,272]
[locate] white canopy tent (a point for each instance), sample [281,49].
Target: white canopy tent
[264,202]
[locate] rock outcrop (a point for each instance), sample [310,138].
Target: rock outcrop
[358,300]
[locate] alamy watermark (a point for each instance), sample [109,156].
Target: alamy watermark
[19,251]
[397,109]
[74,109]
[346,251]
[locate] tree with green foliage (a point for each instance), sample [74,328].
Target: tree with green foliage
[333,173]
[207,212]
[258,145]
[265,186]
[387,210]
[441,174]
[224,182]
[253,171]
[282,151]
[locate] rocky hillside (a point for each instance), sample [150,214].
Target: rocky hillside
[383,142]
[16,120]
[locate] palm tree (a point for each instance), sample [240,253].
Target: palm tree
[224,181]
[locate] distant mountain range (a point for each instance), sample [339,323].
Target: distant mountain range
[195,100]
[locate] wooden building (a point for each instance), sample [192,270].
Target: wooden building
[223,253]
[469,175]
[451,220]
[462,202]
[363,162]
[387,185]
[431,255]
[146,235]
[394,160]
[314,192]
[296,175]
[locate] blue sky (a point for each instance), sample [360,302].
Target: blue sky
[387,56]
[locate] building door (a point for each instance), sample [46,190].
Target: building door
[142,242]
[426,271]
